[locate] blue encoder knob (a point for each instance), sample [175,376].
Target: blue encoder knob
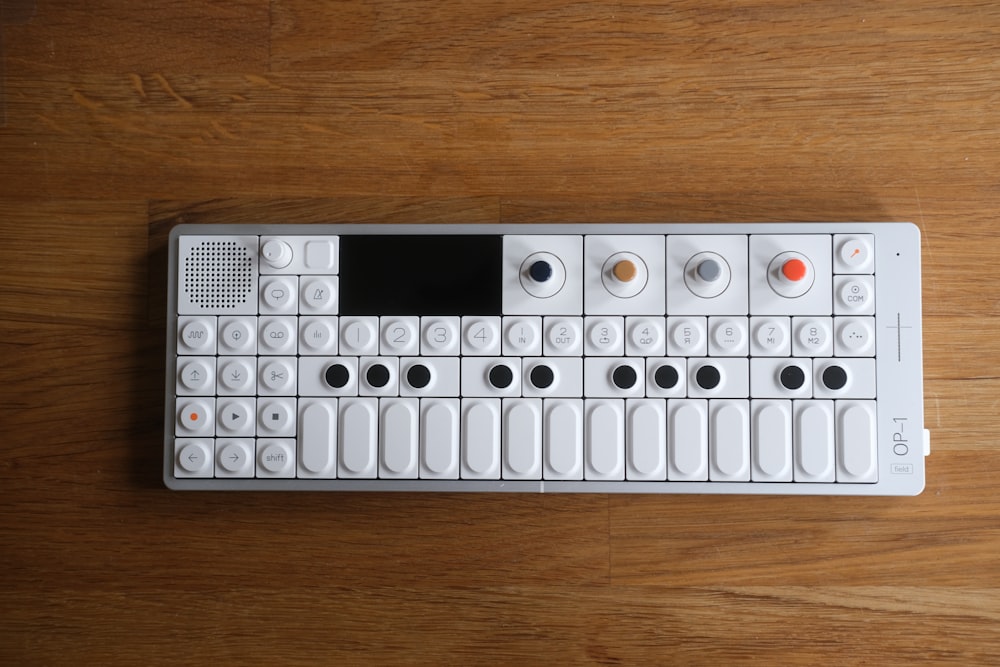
[540,271]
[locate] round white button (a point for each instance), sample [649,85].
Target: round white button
[855,254]
[398,336]
[236,375]
[605,335]
[480,335]
[277,375]
[234,416]
[521,335]
[193,456]
[277,335]
[274,457]
[238,336]
[195,375]
[855,295]
[194,416]
[233,457]
[278,294]
[358,336]
[771,335]
[729,335]
[855,335]
[319,294]
[274,416]
[197,335]
[277,254]
[646,336]
[440,336]
[318,335]
[563,336]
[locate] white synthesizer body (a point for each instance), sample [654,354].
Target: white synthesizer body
[625,358]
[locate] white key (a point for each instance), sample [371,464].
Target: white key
[321,255]
[441,373]
[563,336]
[813,441]
[729,440]
[276,417]
[400,336]
[237,376]
[522,336]
[771,441]
[563,438]
[234,457]
[279,295]
[317,439]
[604,439]
[358,438]
[770,336]
[605,336]
[238,335]
[398,437]
[359,336]
[318,335]
[378,376]
[607,377]
[773,377]
[646,439]
[687,440]
[522,438]
[481,336]
[481,438]
[855,336]
[319,295]
[193,457]
[439,439]
[196,376]
[195,416]
[854,295]
[852,253]
[278,335]
[687,337]
[645,336]
[566,374]
[275,458]
[440,336]
[328,376]
[276,376]
[728,336]
[857,458]
[196,335]
[235,417]
[812,336]
[666,377]
[486,376]
[859,375]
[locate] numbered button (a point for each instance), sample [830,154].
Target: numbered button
[687,336]
[400,335]
[522,336]
[605,336]
[439,336]
[358,335]
[237,335]
[812,336]
[563,336]
[729,337]
[770,337]
[196,335]
[645,336]
[481,336]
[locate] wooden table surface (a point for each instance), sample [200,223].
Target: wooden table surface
[119,119]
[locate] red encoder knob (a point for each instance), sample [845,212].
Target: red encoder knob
[794,270]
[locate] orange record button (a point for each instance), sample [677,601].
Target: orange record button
[794,270]
[625,271]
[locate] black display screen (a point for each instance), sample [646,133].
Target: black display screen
[421,275]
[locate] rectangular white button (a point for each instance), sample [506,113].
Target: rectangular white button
[646,439]
[813,441]
[317,437]
[605,439]
[522,438]
[481,438]
[771,441]
[398,437]
[563,438]
[687,439]
[857,460]
[729,441]
[358,437]
[439,442]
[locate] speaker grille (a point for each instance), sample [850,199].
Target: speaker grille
[218,274]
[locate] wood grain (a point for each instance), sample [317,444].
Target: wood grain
[120,122]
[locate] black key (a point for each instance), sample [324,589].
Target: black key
[542,377]
[835,377]
[337,376]
[377,375]
[624,377]
[792,377]
[501,376]
[666,377]
[708,377]
[418,376]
